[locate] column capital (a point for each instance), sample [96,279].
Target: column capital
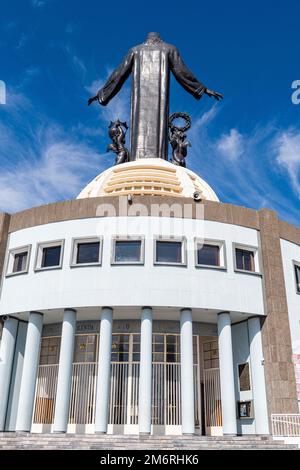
[35,312]
[107,308]
[184,309]
[223,311]
[70,310]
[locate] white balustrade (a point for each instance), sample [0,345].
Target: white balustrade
[285,425]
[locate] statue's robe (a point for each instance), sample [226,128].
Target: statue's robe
[150,65]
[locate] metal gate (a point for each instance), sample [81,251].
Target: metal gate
[212,389]
[124,390]
[166,393]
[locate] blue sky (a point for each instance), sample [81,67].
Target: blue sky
[55,53]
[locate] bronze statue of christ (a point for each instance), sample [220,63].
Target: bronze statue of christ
[150,64]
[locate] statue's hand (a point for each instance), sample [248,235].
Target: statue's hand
[215,94]
[90,101]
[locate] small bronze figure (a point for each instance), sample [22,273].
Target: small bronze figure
[117,132]
[177,138]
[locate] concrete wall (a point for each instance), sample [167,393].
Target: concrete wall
[134,285]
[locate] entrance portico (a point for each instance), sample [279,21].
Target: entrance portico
[138,376]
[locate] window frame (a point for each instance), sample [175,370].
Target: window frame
[125,238]
[39,255]
[183,242]
[245,402]
[84,353]
[43,338]
[256,259]
[74,251]
[239,379]
[11,258]
[296,264]
[222,253]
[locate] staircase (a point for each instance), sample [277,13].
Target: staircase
[26,441]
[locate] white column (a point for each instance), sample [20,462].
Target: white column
[145,382]
[64,380]
[7,351]
[104,370]
[226,374]
[29,374]
[258,377]
[187,372]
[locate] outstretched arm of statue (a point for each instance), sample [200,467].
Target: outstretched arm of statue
[187,79]
[91,100]
[215,94]
[114,82]
[184,75]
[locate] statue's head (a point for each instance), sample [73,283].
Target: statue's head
[153,38]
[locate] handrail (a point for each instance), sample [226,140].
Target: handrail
[287,425]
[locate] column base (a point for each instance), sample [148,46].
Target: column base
[100,432]
[143,433]
[188,434]
[230,435]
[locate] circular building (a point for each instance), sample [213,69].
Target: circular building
[147,306]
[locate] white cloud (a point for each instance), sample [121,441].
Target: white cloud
[252,179]
[205,119]
[41,162]
[53,171]
[287,147]
[76,63]
[231,145]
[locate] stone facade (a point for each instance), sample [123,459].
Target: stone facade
[276,337]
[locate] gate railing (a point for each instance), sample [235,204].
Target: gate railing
[166,401]
[212,394]
[124,394]
[285,425]
[45,394]
[83,393]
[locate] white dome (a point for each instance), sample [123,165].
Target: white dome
[151,176]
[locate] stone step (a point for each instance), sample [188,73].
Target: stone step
[9,441]
[132,438]
[129,443]
[208,447]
